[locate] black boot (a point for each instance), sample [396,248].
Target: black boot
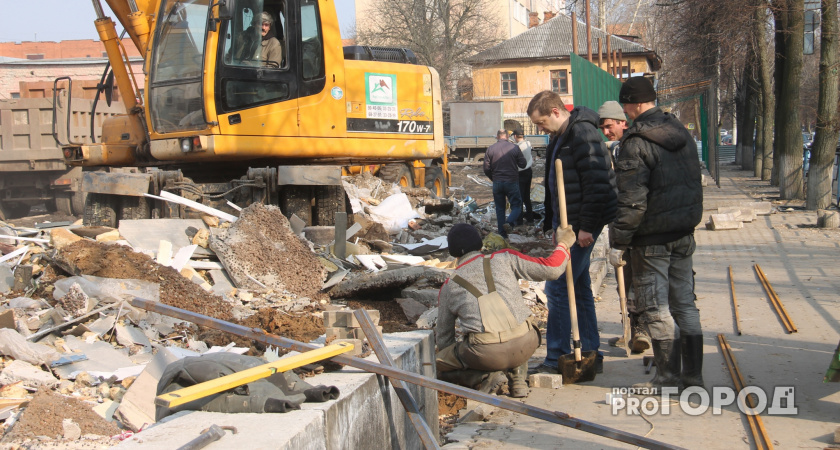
[487,382]
[666,354]
[692,360]
[518,386]
[639,340]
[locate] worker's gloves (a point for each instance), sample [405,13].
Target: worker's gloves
[616,259]
[565,236]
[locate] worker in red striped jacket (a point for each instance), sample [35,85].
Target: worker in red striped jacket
[484,295]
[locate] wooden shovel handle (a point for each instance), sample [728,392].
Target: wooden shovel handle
[570,282]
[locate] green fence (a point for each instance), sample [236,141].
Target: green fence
[591,85]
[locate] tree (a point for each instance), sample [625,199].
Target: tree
[828,117]
[764,135]
[789,131]
[442,33]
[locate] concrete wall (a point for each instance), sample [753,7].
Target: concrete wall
[367,415]
[12,74]
[78,48]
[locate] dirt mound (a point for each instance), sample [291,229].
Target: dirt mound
[302,328]
[47,410]
[261,246]
[116,261]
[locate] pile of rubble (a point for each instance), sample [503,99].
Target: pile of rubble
[77,361]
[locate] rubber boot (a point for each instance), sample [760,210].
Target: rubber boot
[639,340]
[518,386]
[692,360]
[666,354]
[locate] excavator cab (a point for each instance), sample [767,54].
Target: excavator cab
[267,51]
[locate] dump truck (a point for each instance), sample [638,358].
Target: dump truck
[473,126]
[219,121]
[32,167]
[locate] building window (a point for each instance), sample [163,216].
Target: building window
[560,81]
[35,56]
[509,83]
[15,94]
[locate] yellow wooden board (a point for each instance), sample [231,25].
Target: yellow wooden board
[188,394]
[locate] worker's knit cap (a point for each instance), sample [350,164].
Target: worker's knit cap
[611,110]
[462,239]
[636,90]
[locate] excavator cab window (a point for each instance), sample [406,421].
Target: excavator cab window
[175,95]
[270,51]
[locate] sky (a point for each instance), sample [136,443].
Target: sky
[59,20]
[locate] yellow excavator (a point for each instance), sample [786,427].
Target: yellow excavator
[254,101]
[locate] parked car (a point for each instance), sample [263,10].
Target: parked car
[726,139]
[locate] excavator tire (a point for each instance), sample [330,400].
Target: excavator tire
[435,181]
[134,208]
[101,210]
[297,200]
[398,174]
[328,201]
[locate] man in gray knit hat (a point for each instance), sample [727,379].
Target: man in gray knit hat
[484,294]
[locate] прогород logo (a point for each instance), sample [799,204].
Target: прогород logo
[694,401]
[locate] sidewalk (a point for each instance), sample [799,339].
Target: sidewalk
[800,262]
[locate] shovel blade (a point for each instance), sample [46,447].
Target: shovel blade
[577,371]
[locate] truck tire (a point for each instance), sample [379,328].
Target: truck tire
[63,204]
[435,181]
[78,203]
[328,201]
[398,174]
[297,200]
[134,208]
[101,210]
[479,157]
[13,210]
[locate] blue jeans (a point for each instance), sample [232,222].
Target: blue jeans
[502,192]
[559,327]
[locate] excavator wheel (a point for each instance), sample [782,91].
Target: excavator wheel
[101,210]
[435,181]
[328,201]
[134,208]
[398,174]
[297,200]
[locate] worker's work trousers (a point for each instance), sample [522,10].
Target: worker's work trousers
[663,282]
[488,357]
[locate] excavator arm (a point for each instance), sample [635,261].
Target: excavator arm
[137,18]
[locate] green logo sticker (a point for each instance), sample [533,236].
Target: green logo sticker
[381,90]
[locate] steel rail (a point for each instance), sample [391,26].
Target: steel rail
[734,302]
[787,322]
[259,335]
[756,424]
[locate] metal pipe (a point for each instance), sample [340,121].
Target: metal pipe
[400,387]
[734,302]
[600,54]
[260,335]
[756,424]
[574,34]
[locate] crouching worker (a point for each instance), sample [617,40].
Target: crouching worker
[484,294]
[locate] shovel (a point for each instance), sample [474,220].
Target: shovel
[622,299]
[577,367]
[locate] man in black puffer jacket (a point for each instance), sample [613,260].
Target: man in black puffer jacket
[589,182]
[660,202]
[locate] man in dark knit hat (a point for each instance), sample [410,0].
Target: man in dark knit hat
[484,294]
[660,202]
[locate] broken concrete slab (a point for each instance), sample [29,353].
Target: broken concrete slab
[102,357]
[110,236]
[137,408]
[29,374]
[428,319]
[14,345]
[428,297]
[7,319]
[261,246]
[61,237]
[411,308]
[319,235]
[743,214]
[475,412]
[128,335]
[718,222]
[145,235]
[760,208]
[222,284]
[387,279]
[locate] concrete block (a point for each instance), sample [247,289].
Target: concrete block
[357,346]
[761,208]
[319,235]
[428,319]
[828,219]
[743,214]
[71,430]
[344,333]
[719,222]
[411,308]
[31,375]
[145,235]
[345,318]
[475,412]
[113,235]
[545,381]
